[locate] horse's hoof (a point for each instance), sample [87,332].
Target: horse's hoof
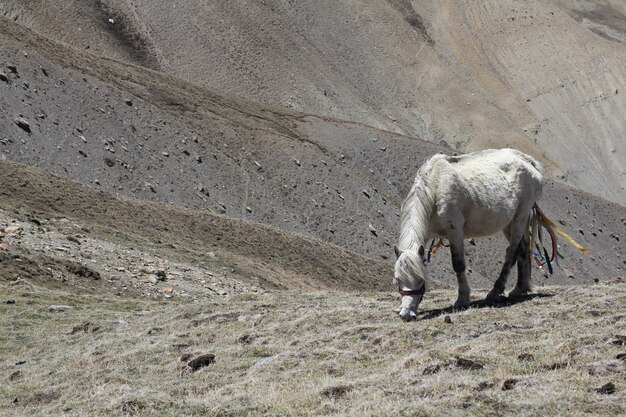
[494,297]
[462,303]
[519,293]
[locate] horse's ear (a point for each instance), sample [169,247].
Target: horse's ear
[421,250]
[397,251]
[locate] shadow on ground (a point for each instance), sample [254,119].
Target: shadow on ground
[504,302]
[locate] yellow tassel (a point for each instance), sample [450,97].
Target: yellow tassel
[565,235]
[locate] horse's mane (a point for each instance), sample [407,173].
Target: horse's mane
[417,209]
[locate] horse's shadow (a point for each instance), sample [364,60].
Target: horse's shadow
[504,302]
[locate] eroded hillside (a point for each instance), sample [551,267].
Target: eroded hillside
[544,77]
[138,132]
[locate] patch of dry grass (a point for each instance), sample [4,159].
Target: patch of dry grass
[288,353]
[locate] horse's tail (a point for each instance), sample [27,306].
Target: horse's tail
[538,221]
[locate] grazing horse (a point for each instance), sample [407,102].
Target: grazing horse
[472,195]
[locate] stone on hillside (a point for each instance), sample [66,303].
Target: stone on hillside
[619,340]
[484,385]
[467,364]
[12,68]
[22,124]
[59,308]
[12,230]
[608,388]
[4,77]
[509,384]
[373,230]
[201,361]
[128,102]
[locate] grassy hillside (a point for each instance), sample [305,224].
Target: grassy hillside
[561,352]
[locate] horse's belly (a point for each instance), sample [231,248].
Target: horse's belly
[486,222]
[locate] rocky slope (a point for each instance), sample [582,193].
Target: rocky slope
[134,131]
[545,77]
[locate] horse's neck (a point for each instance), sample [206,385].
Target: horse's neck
[416,212]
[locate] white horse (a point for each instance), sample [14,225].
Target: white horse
[472,195]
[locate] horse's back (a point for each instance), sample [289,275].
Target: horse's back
[485,188]
[498,167]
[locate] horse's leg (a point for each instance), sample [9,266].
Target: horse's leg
[458,263]
[523,270]
[515,233]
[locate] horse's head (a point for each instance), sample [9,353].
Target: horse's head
[410,275]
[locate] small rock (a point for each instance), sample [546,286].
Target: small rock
[161,275]
[10,302]
[526,357]
[166,154]
[59,308]
[12,69]
[608,388]
[467,364]
[555,366]
[211,254]
[152,279]
[112,21]
[447,320]
[258,165]
[484,385]
[15,375]
[81,328]
[4,77]
[201,361]
[581,231]
[432,369]
[373,230]
[619,340]
[128,102]
[621,357]
[248,209]
[22,124]
[336,392]
[509,384]
[185,357]
[12,230]
[297,162]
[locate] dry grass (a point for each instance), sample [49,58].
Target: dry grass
[287,353]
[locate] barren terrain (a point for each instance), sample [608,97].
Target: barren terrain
[198,204]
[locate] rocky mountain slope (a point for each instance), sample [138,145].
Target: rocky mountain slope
[134,131]
[545,77]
